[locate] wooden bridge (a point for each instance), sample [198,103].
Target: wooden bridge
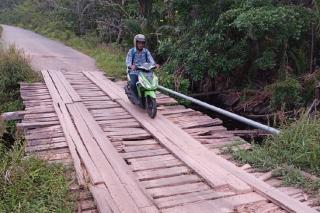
[126,162]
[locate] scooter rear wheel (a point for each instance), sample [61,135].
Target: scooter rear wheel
[151,106]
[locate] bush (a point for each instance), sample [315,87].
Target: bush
[238,40]
[14,68]
[297,145]
[286,94]
[31,185]
[26,184]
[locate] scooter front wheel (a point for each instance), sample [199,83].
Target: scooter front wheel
[151,106]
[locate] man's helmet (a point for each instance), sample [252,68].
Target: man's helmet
[140,38]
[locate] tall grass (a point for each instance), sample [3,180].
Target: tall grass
[26,185]
[297,145]
[109,58]
[31,185]
[14,68]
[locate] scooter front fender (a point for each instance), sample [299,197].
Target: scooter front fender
[150,93]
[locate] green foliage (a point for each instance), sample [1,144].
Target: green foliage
[14,68]
[286,94]
[296,145]
[292,176]
[237,38]
[198,41]
[109,58]
[31,185]
[26,184]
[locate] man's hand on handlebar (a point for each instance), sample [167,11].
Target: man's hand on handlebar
[158,66]
[132,67]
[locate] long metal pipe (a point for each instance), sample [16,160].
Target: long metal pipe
[223,112]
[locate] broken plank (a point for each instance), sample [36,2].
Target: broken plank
[31,125]
[162,173]
[176,190]
[147,153]
[138,166]
[170,181]
[167,202]
[228,204]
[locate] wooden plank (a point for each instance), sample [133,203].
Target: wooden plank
[44,135]
[227,204]
[56,128]
[104,201]
[182,145]
[142,148]
[215,176]
[117,190]
[176,190]
[139,143]
[94,79]
[188,144]
[12,116]
[40,115]
[73,140]
[138,166]
[118,164]
[171,181]
[46,147]
[167,202]
[147,153]
[162,173]
[122,169]
[35,142]
[152,158]
[62,92]
[31,125]
[73,94]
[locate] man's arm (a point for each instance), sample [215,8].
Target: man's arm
[129,59]
[150,58]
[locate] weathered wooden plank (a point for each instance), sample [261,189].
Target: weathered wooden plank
[176,190]
[179,142]
[227,204]
[104,201]
[36,124]
[138,166]
[139,142]
[141,148]
[72,93]
[72,137]
[167,202]
[12,116]
[162,173]
[148,153]
[62,92]
[46,147]
[45,135]
[35,142]
[118,164]
[117,190]
[171,181]
[152,158]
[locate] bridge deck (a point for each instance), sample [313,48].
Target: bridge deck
[131,163]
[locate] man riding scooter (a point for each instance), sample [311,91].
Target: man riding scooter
[137,56]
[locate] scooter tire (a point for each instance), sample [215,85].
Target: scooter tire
[151,106]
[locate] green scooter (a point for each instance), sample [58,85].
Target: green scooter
[146,86]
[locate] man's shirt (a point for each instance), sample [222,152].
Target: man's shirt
[138,58]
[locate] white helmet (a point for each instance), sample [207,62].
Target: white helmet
[139,37]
